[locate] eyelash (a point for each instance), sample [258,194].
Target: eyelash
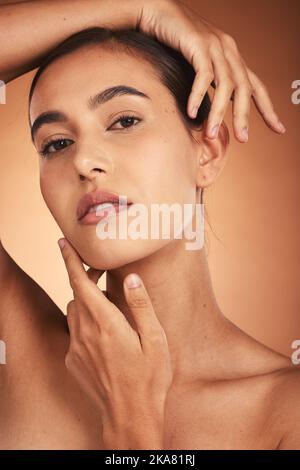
[45,150]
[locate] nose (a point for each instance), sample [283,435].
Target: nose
[89,165]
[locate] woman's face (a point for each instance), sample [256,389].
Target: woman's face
[149,158]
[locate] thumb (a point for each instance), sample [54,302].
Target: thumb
[141,307]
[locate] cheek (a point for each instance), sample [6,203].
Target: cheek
[162,166]
[46,186]
[52,192]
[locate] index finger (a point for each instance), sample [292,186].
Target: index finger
[78,277]
[86,290]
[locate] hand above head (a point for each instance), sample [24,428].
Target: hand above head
[126,372]
[216,61]
[213,54]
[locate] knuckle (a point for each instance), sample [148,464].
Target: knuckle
[156,338]
[74,280]
[229,84]
[69,361]
[207,75]
[138,302]
[216,46]
[229,41]
[214,40]
[245,86]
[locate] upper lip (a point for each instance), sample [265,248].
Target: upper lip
[97,197]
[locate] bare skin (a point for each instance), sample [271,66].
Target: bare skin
[30,29]
[244,397]
[41,406]
[229,391]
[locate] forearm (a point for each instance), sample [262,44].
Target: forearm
[29,30]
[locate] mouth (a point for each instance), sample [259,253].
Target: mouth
[99,205]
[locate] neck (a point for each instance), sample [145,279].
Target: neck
[179,285]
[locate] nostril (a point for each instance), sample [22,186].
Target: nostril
[82,177]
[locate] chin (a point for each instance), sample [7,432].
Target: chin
[113,254]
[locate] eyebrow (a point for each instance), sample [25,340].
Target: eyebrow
[93,103]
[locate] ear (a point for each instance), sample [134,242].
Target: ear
[211,155]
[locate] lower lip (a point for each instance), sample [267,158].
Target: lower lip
[91,218]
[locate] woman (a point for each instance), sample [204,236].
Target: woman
[128,401]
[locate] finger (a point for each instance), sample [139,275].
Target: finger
[78,278]
[94,274]
[202,81]
[87,294]
[218,109]
[141,308]
[222,95]
[241,112]
[72,319]
[264,104]
[241,96]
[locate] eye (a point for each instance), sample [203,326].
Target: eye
[56,144]
[126,121]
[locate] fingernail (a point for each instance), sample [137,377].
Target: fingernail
[214,131]
[244,134]
[280,127]
[132,281]
[195,111]
[61,243]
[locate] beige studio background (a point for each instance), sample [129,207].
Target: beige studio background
[253,209]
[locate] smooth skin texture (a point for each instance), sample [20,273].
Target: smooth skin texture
[41,404]
[213,53]
[135,376]
[211,358]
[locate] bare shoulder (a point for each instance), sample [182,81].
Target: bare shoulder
[248,357]
[274,374]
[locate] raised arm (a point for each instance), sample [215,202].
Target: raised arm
[30,29]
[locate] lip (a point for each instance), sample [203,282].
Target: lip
[98,197]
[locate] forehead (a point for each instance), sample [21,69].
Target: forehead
[76,76]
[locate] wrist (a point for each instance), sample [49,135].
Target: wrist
[133,431]
[142,436]
[116,13]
